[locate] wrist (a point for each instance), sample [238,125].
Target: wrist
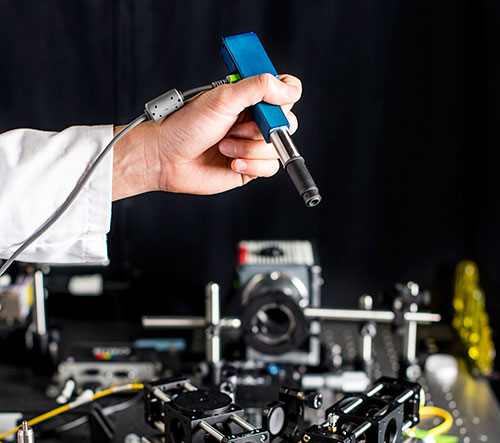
[135,170]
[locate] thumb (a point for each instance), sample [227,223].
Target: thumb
[233,99]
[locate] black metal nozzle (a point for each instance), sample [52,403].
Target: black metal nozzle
[295,166]
[303,181]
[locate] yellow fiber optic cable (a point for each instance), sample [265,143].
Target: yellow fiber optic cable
[442,428]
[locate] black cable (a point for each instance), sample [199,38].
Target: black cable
[108,410]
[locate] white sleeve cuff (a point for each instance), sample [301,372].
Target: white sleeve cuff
[38,170]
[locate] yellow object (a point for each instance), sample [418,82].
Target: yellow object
[470,319]
[75,404]
[442,428]
[432,411]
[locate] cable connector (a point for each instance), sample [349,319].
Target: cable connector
[164,105]
[229,79]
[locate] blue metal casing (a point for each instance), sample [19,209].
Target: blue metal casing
[245,55]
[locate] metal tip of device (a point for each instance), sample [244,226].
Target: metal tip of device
[311,199]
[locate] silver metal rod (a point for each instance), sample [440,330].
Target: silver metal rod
[242,423]
[284,145]
[410,341]
[167,322]
[212,303]
[161,395]
[312,313]
[213,348]
[362,428]
[373,390]
[189,386]
[410,337]
[39,290]
[354,404]
[349,314]
[212,333]
[366,347]
[359,315]
[407,424]
[382,411]
[405,396]
[173,322]
[212,431]
[422,317]
[230,323]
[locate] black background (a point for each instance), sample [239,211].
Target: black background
[398,125]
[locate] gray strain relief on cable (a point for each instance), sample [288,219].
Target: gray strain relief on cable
[303,181]
[164,105]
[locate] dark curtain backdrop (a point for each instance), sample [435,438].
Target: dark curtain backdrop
[398,124]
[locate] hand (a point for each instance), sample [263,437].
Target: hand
[209,146]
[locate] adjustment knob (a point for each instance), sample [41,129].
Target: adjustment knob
[314,400]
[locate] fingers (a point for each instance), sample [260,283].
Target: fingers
[233,99]
[290,80]
[250,130]
[253,157]
[255,168]
[247,149]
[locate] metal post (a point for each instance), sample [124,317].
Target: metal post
[242,423]
[173,322]
[39,314]
[25,433]
[368,331]
[161,395]
[212,431]
[362,428]
[410,337]
[212,333]
[377,316]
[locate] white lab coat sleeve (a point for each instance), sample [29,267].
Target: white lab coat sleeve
[38,170]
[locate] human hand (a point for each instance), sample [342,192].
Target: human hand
[209,146]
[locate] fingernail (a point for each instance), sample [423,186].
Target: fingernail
[240,165]
[227,147]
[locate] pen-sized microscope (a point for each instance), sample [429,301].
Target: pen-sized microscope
[245,56]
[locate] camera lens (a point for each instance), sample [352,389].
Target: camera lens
[273,324]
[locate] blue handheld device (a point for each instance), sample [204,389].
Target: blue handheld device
[244,55]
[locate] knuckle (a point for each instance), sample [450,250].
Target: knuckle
[265,80]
